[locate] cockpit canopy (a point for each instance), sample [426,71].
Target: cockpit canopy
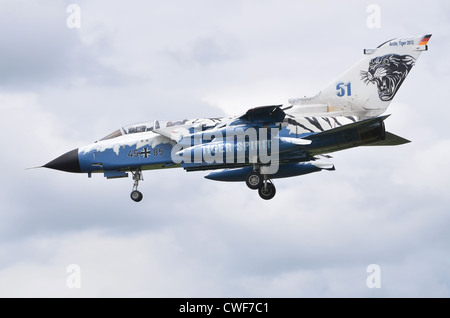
[143,127]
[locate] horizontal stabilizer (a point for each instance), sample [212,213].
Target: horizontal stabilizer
[357,134]
[391,140]
[348,127]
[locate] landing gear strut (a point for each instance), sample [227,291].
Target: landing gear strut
[135,194]
[257,181]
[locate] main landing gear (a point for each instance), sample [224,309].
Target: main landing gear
[265,187]
[136,195]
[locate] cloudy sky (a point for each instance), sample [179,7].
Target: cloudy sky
[62,88]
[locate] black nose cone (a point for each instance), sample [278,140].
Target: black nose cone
[67,162]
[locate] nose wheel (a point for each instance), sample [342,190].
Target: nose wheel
[136,195]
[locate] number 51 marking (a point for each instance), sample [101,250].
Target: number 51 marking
[344,89]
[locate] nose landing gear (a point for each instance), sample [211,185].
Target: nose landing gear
[136,195]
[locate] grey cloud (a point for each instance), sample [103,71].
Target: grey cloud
[204,52]
[39,50]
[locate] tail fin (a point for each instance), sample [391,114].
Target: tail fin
[367,88]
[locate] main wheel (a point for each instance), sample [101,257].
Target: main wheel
[267,192]
[254,180]
[136,196]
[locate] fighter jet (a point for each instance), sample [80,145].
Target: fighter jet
[265,142]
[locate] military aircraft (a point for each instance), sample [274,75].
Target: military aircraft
[266,142]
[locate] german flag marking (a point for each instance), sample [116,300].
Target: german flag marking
[425,39]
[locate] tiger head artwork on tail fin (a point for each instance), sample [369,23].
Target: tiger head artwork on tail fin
[388,72]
